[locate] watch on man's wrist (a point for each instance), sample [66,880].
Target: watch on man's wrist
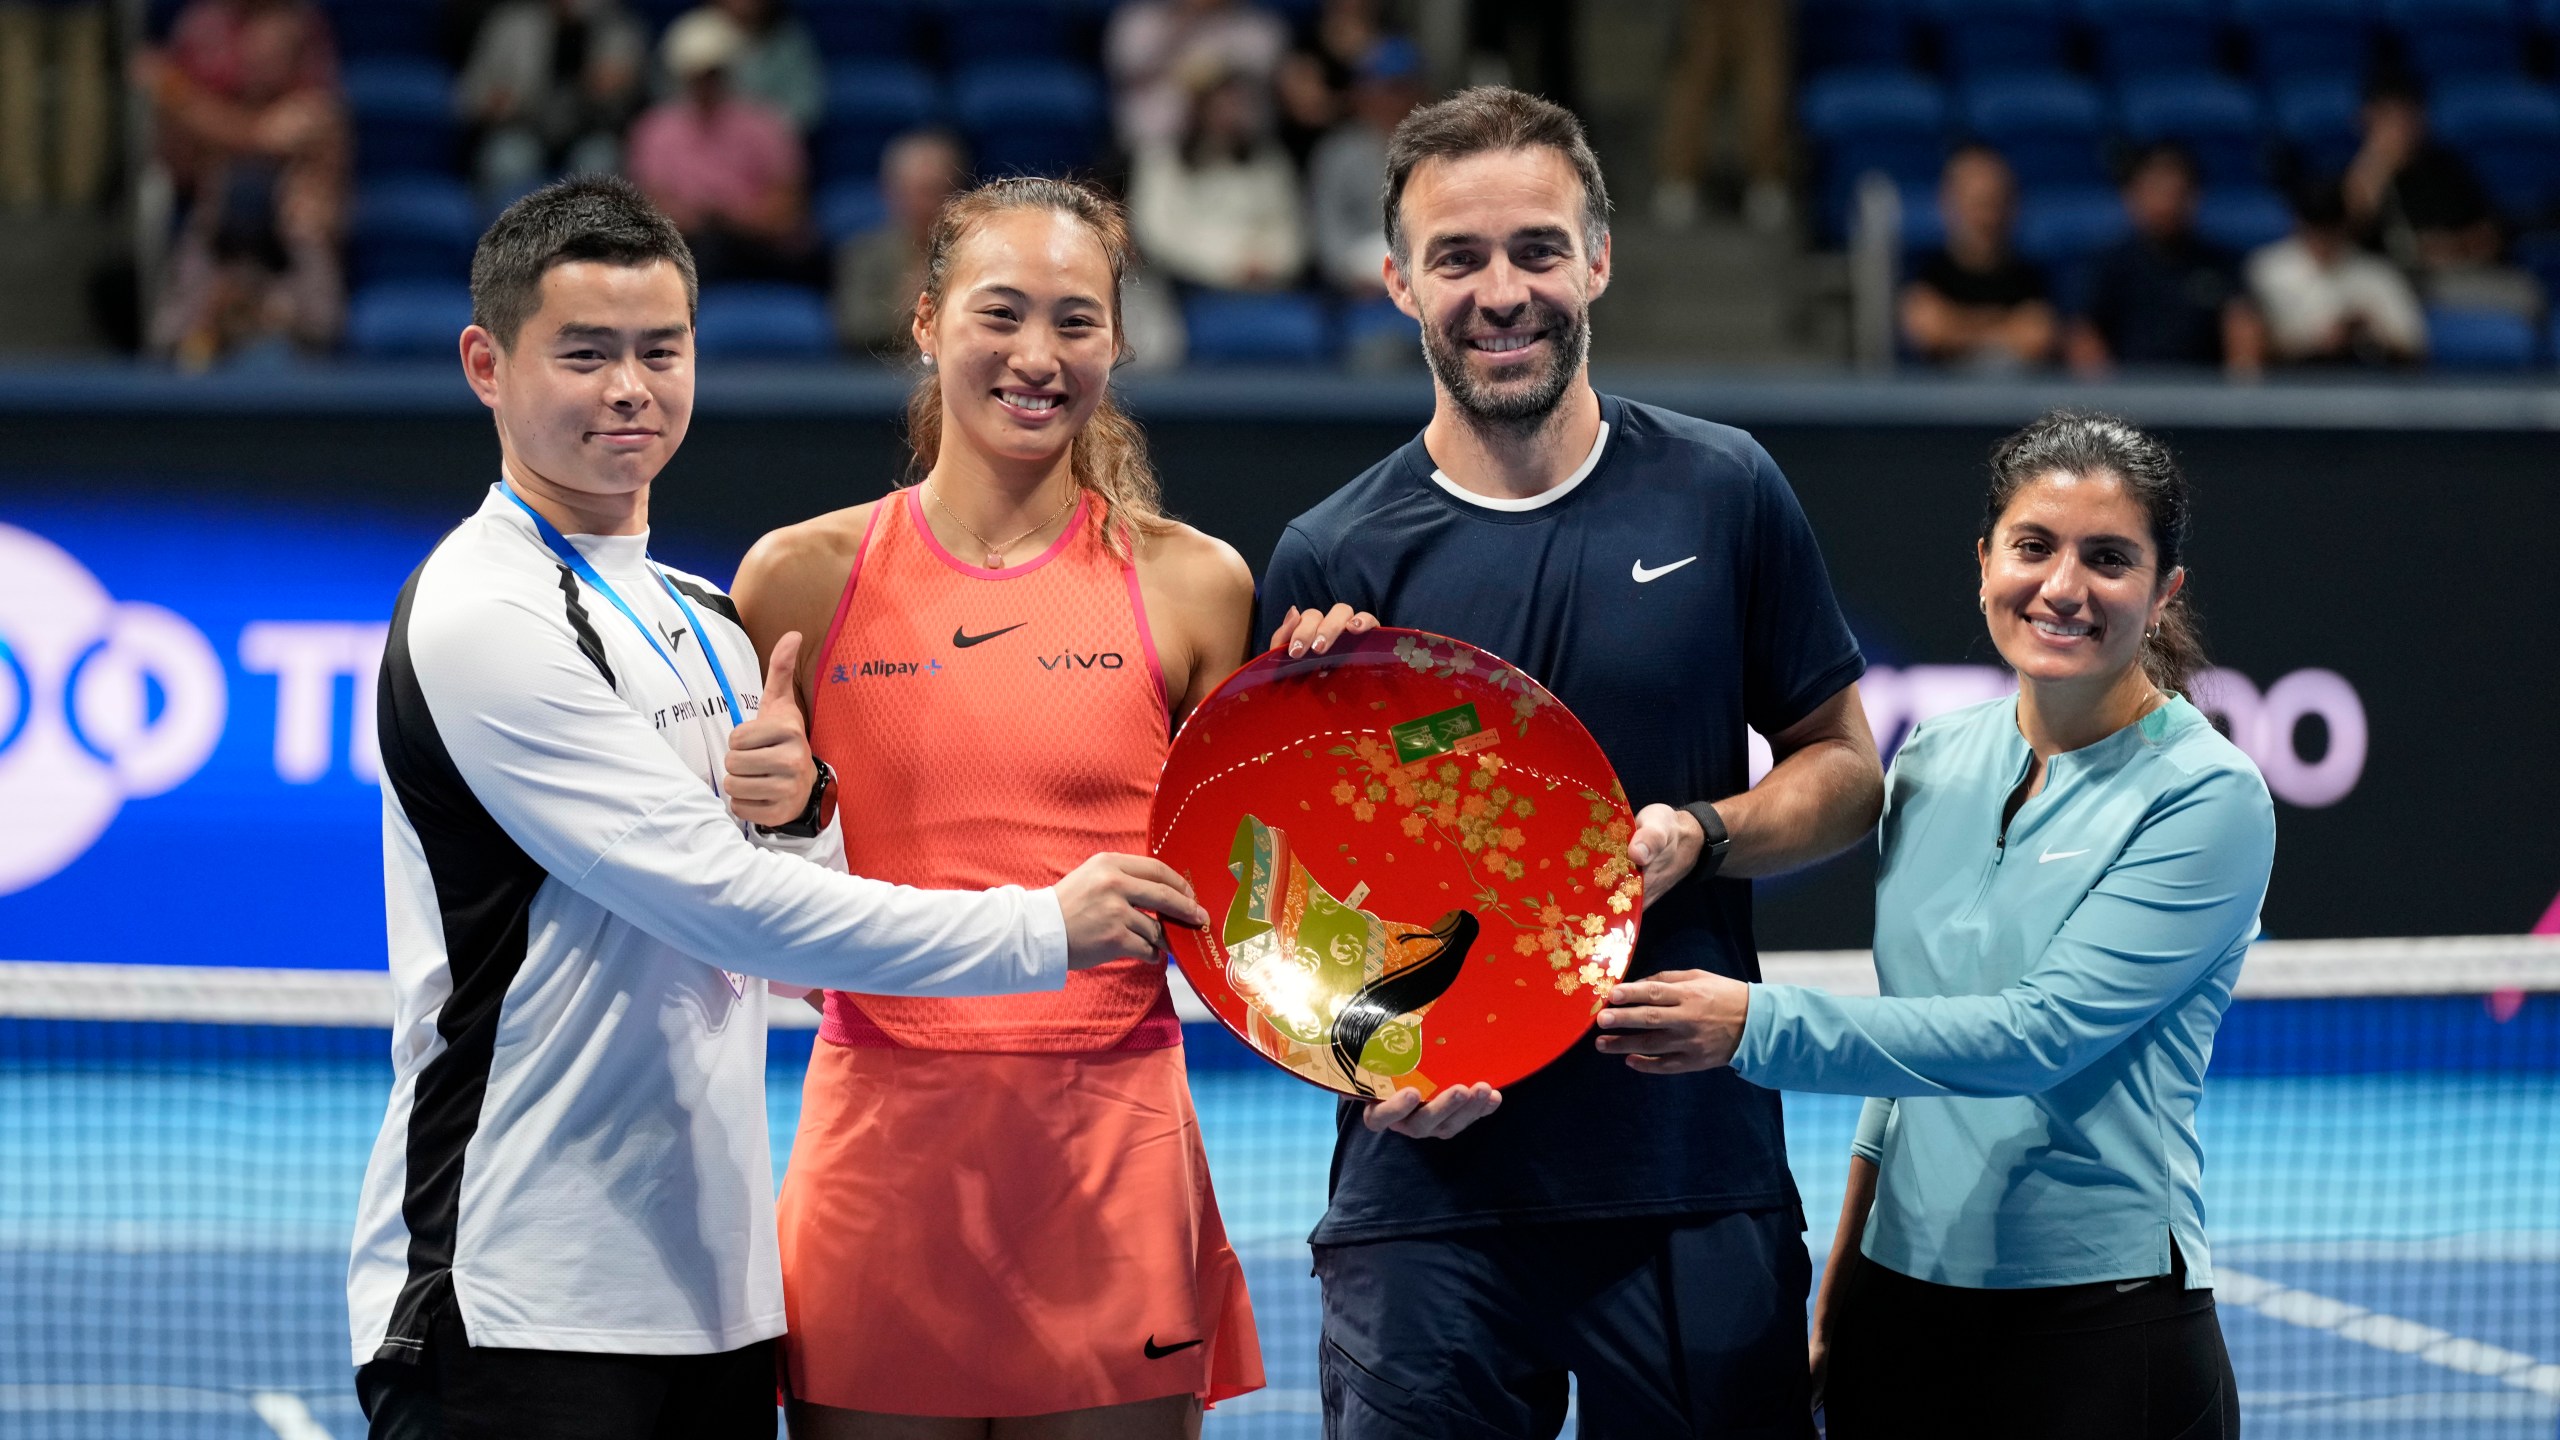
[1718,841]
[821,808]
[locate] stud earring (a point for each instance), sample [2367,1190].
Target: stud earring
[1982,603]
[928,362]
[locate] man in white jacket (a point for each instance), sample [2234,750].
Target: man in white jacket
[567,1228]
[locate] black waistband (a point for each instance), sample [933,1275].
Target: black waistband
[2098,1305]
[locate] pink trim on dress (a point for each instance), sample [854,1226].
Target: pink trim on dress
[915,507]
[844,602]
[1147,640]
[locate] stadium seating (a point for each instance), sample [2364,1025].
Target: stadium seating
[2316,117]
[1852,35]
[1983,37]
[2153,37]
[2456,41]
[408,319]
[870,103]
[759,321]
[2509,129]
[2063,228]
[2240,218]
[403,110]
[2213,116]
[383,27]
[1862,120]
[2049,125]
[878,30]
[2293,38]
[1227,328]
[848,208]
[1026,117]
[413,227]
[986,30]
[2479,340]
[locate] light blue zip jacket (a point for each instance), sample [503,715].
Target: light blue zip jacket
[2049,1001]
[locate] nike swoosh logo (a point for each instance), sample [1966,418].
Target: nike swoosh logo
[2050,856]
[963,639]
[1647,577]
[1155,1351]
[2126,1285]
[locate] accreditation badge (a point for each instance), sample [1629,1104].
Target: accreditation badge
[1414,860]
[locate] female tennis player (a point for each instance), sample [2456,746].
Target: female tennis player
[2068,882]
[998,1218]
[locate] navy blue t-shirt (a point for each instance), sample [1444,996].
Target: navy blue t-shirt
[1736,625]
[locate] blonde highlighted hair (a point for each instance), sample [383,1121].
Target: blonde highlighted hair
[1109,456]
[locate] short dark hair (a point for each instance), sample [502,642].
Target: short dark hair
[1485,118]
[591,217]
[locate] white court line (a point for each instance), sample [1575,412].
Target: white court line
[2384,1332]
[286,1415]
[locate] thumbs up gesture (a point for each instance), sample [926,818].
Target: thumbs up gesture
[771,771]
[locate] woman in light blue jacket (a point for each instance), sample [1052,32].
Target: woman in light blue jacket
[2068,882]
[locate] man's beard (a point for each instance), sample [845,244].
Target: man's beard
[1514,405]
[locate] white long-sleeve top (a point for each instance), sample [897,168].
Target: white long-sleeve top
[575,1151]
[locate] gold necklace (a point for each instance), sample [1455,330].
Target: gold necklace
[995,553]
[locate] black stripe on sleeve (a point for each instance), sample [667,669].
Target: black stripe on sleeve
[705,595]
[590,644]
[484,886]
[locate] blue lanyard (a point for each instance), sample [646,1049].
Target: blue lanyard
[580,567]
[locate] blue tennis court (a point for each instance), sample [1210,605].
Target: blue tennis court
[175,1201]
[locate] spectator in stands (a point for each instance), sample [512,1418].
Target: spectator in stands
[1349,169]
[728,170]
[2327,301]
[253,132]
[2422,204]
[1316,79]
[1161,52]
[780,65]
[1221,207]
[2162,295]
[1975,303]
[549,86]
[1737,50]
[880,272]
[61,158]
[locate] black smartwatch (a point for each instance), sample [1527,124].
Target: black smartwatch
[1719,840]
[821,809]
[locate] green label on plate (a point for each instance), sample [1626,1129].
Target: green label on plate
[1434,734]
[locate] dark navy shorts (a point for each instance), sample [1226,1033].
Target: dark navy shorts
[1691,1326]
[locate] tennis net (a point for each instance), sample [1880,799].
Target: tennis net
[180,1151]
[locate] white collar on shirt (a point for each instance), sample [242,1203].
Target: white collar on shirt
[1543,498]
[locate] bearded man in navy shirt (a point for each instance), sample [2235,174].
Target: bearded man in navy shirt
[1606,1219]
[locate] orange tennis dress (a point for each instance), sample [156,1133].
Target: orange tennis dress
[1000,1206]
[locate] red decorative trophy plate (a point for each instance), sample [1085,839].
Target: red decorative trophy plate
[1414,861]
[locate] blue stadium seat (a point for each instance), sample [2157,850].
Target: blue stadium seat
[1852,34]
[848,208]
[1228,328]
[2214,117]
[2289,38]
[2048,125]
[413,227]
[1982,37]
[2480,340]
[408,319]
[2318,118]
[1375,327]
[2509,129]
[2146,37]
[404,121]
[1923,228]
[2063,229]
[2448,41]
[384,27]
[756,321]
[985,30]
[869,104]
[861,29]
[2539,253]
[2240,218]
[1861,120]
[1029,117]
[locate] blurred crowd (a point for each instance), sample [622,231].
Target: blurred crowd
[1250,144]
